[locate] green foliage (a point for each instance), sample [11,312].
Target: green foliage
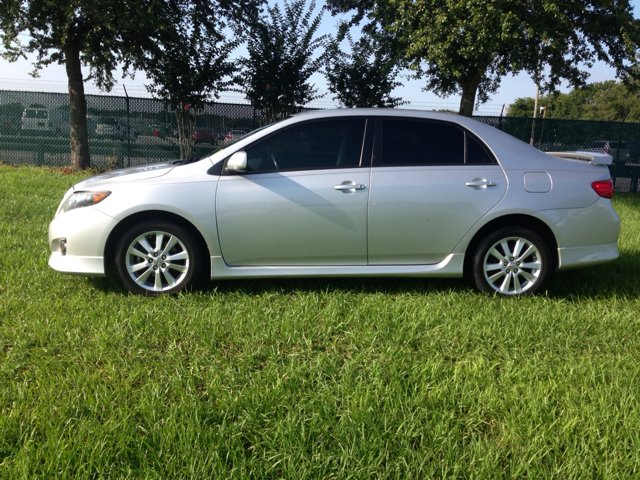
[364,77]
[468,46]
[97,33]
[608,101]
[98,27]
[311,378]
[282,57]
[190,64]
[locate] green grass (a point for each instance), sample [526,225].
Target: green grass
[324,378]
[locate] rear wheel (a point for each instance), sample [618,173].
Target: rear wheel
[512,261]
[155,258]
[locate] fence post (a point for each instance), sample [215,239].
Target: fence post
[615,165]
[128,130]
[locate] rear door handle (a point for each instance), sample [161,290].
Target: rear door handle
[480,183]
[349,186]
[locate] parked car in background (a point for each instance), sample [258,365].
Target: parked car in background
[157,129]
[35,118]
[351,192]
[60,122]
[634,151]
[110,127]
[203,135]
[233,135]
[610,147]
[10,124]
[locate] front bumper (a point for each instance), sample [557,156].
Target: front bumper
[86,231]
[75,265]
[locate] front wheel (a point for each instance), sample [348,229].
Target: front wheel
[155,258]
[512,262]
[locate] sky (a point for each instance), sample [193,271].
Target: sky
[15,76]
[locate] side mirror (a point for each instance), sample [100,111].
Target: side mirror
[237,162]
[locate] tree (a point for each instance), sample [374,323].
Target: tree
[281,47]
[96,33]
[190,64]
[366,76]
[467,46]
[607,101]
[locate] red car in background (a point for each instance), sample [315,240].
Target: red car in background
[204,135]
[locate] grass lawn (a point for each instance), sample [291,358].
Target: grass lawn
[321,378]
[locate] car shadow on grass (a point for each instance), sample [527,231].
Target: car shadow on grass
[349,285]
[368,286]
[620,279]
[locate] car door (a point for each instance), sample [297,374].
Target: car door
[431,181]
[302,200]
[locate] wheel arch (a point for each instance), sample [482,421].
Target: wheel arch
[159,215]
[513,220]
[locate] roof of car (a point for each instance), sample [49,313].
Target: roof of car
[467,122]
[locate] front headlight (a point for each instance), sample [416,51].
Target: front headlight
[82,199]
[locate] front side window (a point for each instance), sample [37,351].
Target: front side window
[313,145]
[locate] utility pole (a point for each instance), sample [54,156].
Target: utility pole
[543,110]
[535,106]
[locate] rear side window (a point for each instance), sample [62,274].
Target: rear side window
[314,145]
[477,153]
[417,142]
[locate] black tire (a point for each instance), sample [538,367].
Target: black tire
[154,272]
[512,261]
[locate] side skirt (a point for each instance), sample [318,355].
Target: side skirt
[451,267]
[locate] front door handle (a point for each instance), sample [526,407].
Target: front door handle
[480,183]
[349,185]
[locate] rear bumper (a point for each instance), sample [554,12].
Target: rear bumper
[575,257]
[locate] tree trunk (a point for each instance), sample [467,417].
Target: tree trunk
[469,87]
[186,129]
[77,107]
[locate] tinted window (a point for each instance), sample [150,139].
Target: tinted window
[417,142]
[477,153]
[316,145]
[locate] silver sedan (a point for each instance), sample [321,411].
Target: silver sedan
[353,192]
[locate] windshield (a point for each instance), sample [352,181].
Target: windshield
[36,114]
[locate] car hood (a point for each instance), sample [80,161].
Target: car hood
[131,174]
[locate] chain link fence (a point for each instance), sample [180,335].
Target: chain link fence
[128,131]
[619,139]
[123,131]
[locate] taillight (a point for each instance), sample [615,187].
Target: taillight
[604,188]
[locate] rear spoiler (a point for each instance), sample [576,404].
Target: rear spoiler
[591,157]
